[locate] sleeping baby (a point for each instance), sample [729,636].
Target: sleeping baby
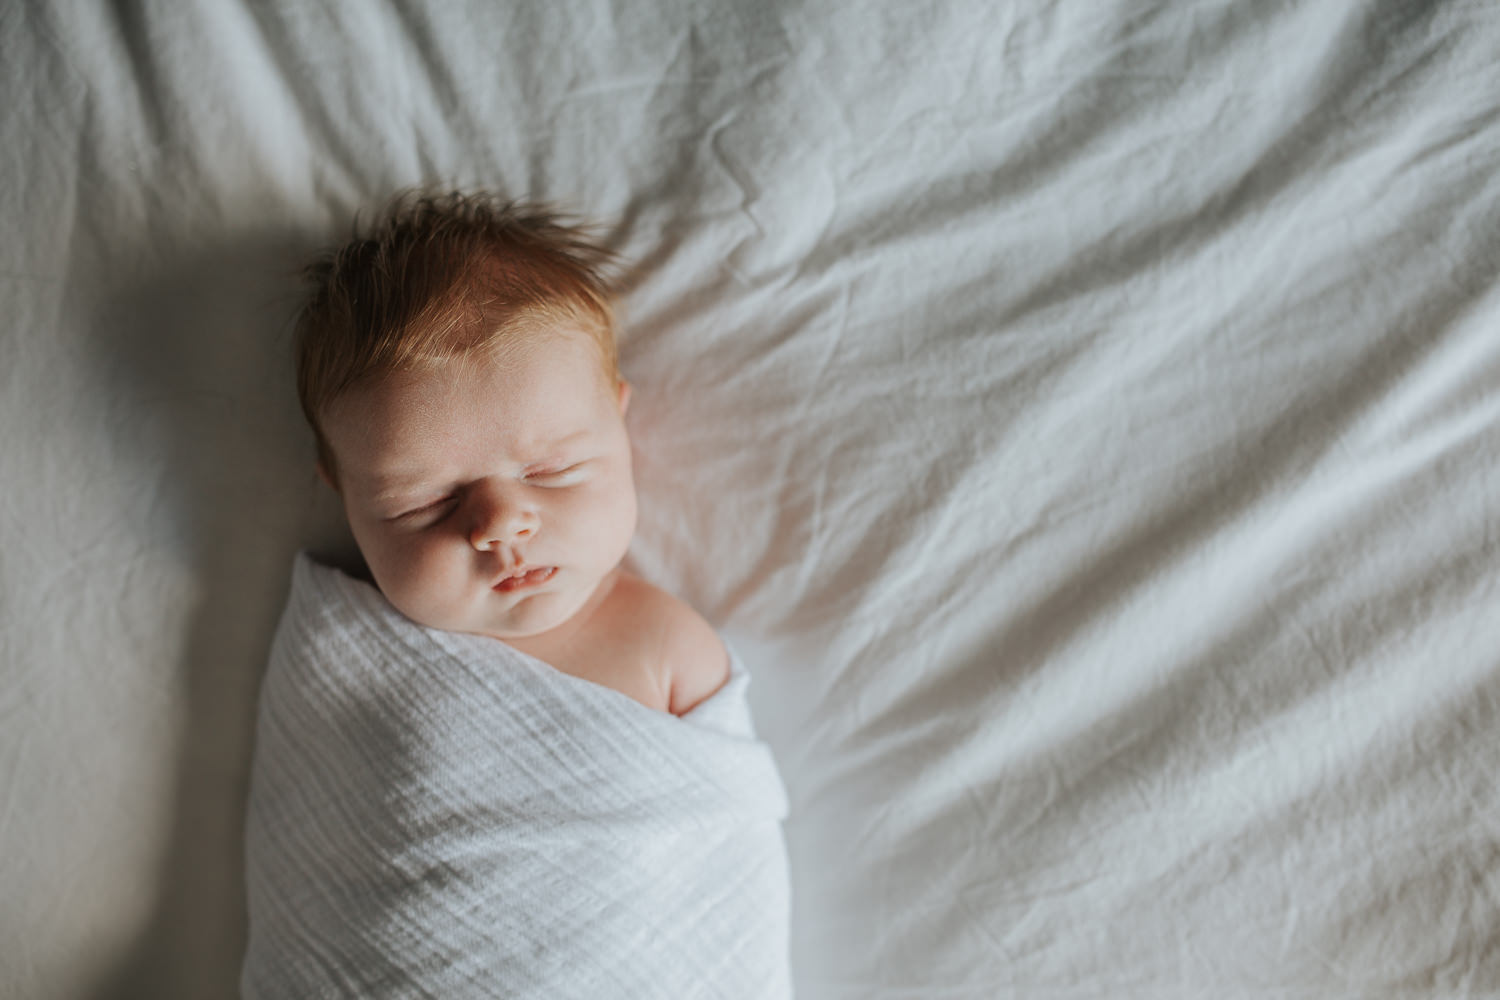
[510,767]
[459,371]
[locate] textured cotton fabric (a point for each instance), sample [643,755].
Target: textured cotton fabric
[1080,415]
[439,815]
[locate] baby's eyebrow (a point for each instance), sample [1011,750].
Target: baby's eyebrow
[550,451]
[386,485]
[566,440]
[398,494]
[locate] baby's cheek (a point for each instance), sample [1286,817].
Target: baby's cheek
[611,516]
[628,517]
[416,576]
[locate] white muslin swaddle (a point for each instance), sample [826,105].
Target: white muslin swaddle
[435,814]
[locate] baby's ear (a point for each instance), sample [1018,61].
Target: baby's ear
[326,476]
[624,396]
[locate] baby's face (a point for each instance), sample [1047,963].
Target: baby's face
[458,479]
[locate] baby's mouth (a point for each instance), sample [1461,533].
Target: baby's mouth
[524,578]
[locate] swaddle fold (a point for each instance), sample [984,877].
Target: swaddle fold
[434,814]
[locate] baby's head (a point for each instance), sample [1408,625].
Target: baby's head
[457,364]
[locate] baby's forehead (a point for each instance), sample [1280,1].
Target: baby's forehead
[529,399]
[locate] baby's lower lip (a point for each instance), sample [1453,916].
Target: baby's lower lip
[530,578]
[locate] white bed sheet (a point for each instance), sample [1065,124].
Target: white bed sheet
[1082,416]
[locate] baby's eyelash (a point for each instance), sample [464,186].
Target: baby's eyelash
[426,508]
[551,473]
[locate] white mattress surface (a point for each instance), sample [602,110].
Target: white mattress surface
[1082,417]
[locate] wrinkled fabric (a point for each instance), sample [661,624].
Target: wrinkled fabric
[1081,417]
[438,814]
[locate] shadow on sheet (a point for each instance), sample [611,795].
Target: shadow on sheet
[204,342]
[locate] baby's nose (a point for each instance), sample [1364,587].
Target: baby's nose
[500,520]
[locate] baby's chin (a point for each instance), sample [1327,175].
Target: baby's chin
[534,623]
[530,618]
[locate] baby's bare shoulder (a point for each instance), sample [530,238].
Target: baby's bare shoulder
[692,658]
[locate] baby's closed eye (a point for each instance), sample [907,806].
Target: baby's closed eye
[427,513]
[558,476]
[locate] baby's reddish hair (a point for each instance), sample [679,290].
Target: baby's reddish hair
[437,278]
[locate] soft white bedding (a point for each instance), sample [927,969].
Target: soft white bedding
[1082,417]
